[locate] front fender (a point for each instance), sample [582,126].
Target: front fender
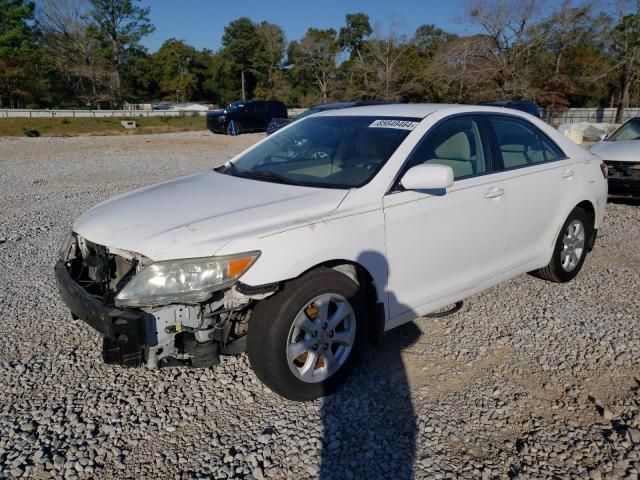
[358,238]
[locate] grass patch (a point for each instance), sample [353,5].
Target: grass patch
[62,127]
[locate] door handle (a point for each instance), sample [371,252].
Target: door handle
[494,192]
[568,173]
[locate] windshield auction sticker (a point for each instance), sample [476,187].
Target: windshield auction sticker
[400,124]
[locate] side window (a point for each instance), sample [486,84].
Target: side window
[260,107]
[518,142]
[457,143]
[551,150]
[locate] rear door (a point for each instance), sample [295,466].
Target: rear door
[261,116]
[538,179]
[442,244]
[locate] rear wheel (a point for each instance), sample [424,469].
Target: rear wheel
[304,340]
[570,249]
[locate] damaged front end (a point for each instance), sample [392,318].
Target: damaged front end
[174,313]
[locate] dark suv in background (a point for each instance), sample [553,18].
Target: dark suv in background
[245,116]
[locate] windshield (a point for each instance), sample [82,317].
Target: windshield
[309,111]
[628,131]
[232,107]
[331,151]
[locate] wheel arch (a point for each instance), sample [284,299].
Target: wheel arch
[585,205]
[589,209]
[375,306]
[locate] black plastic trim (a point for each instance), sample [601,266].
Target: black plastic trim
[245,289]
[122,325]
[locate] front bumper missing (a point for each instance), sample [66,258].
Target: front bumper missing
[161,337]
[124,330]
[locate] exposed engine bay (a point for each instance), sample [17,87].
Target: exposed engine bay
[156,336]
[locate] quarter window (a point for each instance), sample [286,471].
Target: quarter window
[456,143]
[551,150]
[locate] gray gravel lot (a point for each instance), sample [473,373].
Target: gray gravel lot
[529,379]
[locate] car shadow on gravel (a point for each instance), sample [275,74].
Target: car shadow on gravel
[369,424]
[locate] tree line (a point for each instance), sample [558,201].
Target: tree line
[88,53]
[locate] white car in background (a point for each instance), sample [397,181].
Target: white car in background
[340,226]
[621,152]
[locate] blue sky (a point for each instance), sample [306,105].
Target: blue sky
[201,22]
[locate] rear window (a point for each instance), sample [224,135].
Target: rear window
[236,107]
[277,109]
[522,144]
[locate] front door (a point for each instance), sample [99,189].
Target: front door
[441,245]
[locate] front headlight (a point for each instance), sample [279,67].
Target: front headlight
[191,280]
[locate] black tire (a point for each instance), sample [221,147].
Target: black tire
[271,322]
[238,128]
[554,272]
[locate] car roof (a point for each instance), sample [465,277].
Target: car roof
[409,110]
[508,102]
[329,106]
[254,100]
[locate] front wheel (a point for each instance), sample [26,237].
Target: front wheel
[304,340]
[233,128]
[570,249]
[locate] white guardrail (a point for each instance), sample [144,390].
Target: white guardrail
[25,113]
[571,115]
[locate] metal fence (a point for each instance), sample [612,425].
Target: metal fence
[19,113]
[571,115]
[589,115]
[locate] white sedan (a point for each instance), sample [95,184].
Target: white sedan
[621,152]
[337,228]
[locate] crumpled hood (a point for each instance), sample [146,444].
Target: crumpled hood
[195,216]
[618,151]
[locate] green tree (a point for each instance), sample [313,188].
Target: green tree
[429,38]
[119,26]
[140,79]
[267,61]
[180,70]
[21,63]
[240,40]
[313,60]
[353,34]
[221,84]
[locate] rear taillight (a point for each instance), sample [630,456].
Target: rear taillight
[604,169]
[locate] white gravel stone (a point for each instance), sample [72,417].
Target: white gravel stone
[498,390]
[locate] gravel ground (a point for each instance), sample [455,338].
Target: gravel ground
[529,379]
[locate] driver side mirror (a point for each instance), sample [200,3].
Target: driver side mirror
[428,177]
